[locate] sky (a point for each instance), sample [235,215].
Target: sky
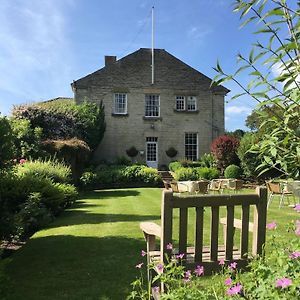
[46,44]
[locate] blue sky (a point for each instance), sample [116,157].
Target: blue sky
[46,44]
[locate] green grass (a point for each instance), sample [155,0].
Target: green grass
[91,250]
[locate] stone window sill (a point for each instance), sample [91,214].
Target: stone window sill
[120,115]
[186,111]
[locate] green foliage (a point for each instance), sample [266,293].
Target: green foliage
[183,174]
[208,160]
[132,152]
[174,165]
[277,93]
[66,120]
[207,173]
[51,168]
[7,148]
[233,171]
[249,160]
[114,174]
[27,140]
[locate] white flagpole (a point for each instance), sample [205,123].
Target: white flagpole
[152,44]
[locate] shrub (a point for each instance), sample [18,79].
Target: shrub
[52,169]
[175,165]
[233,171]
[7,148]
[207,173]
[224,149]
[208,160]
[171,152]
[183,174]
[189,163]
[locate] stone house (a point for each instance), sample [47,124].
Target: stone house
[178,109]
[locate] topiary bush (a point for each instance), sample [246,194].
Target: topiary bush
[132,152]
[171,152]
[233,171]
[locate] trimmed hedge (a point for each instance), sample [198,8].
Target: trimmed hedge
[233,171]
[183,174]
[109,175]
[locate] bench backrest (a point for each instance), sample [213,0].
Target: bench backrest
[230,202]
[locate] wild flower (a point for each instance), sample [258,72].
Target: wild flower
[294,254]
[22,161]
[297,207]
[143,253]
[271,226]
[233,265]
[160,268]
[187,276]
[222,262]
[199,270]
[156,289]
[169,246]
[234,290]
[179,256]
[283,282]
[139,266]
[228,281]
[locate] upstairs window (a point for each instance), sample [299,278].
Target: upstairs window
[120,103]
[191,103]
[180,103]
[151,105]
[191,146]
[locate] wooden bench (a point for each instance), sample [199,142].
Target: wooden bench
[197,253]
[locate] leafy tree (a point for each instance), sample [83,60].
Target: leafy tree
[238,133]
[7,148]
[278,49]
[224,150]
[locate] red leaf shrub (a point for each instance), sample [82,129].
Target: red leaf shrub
[224,149]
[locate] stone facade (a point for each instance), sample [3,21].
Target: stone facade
[131,75]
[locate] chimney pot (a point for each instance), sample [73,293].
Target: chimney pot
[109,60]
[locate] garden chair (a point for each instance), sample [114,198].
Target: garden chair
[215,185]
[198,254]
[275,188]
[203,186]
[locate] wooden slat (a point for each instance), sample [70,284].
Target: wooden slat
[183,221]
[245,230]
[214,200]
[166,223]
[259,222]
[229,232]
[199,234]
[214,237]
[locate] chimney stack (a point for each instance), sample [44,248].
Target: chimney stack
[109,60]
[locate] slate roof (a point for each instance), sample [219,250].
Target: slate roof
[134,70]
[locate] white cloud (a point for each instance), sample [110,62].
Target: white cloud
[34,49]
[238,110]
[198,32]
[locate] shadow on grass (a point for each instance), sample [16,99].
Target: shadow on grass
[114,194]
[68,267]
[81,217]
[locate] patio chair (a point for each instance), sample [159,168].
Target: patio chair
[274,189]
[198,254]
[203,186]
[215,185]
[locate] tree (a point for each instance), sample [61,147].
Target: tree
[278,49]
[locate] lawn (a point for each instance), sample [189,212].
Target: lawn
[91,250]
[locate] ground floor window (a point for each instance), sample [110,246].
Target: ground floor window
[191,146]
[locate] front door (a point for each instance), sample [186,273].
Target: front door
[151,152]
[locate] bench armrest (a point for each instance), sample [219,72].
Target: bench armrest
[237,223]
[150,228]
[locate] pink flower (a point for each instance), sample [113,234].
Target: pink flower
[143,253]
[180,256]
[199,270]
[222,262]
[22,161]
[234,290]
[283,282]
[297,231]
[156,289]
[228,281]
[169,246]
[297,207]
[139,266]
[233,265]
[160,268]
[187,276]
[294,254]
[271,226]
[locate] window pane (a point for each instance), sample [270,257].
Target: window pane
[152,105]
[191,146]
[180,103]
[120,104]
[191,103]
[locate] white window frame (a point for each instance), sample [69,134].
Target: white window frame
[152,110]
[179,100]
[190,156]
[188,105]
[118,97]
